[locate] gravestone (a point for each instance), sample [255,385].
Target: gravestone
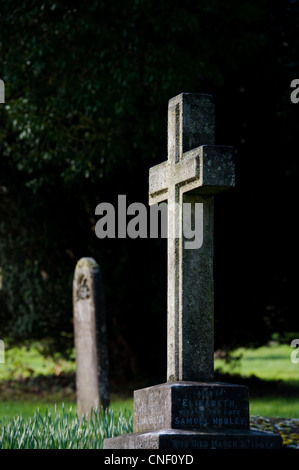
[92,387]
[191,411]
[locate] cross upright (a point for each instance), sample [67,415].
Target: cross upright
[195,170]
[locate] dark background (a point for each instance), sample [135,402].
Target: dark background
[87,88]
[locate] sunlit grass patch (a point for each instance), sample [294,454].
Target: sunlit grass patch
[280,407]
[267,362]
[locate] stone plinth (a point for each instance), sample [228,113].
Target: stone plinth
[191,406]
[193,415]
[177,440]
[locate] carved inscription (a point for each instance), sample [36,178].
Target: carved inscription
[152,416]
[83,291]
[150,412]
[210,408]
[190,407]
[214,443]
[220,412]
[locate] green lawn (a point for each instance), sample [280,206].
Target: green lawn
[268,362]
[26,409]
[278,407]
[10,409]
[28,362]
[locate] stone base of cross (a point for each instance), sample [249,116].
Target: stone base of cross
[191,411]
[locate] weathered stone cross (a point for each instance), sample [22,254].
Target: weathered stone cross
[191,410]
[194,171]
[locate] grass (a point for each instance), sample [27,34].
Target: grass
[24,365]
[270,363]
[9,409]
[277,407]
[30,380]
[63,430]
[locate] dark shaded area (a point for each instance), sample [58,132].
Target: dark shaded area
[63,385]
[87,88]
[259,387]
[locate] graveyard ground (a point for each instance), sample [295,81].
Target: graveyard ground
[28,381]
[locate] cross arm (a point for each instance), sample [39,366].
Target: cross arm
[188,169]
[158,183]
[216,169]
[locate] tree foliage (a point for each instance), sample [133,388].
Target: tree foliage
[87,86]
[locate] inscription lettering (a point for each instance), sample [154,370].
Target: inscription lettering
[210,393]
[211,407]
[195,421]
[146,420]
[223,444]
[202,421]
[187,403]
[233,421]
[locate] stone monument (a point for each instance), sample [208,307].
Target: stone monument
[191,411]
[90,337]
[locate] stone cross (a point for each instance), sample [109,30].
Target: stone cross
[90,337]
[191,410]
[194,172]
